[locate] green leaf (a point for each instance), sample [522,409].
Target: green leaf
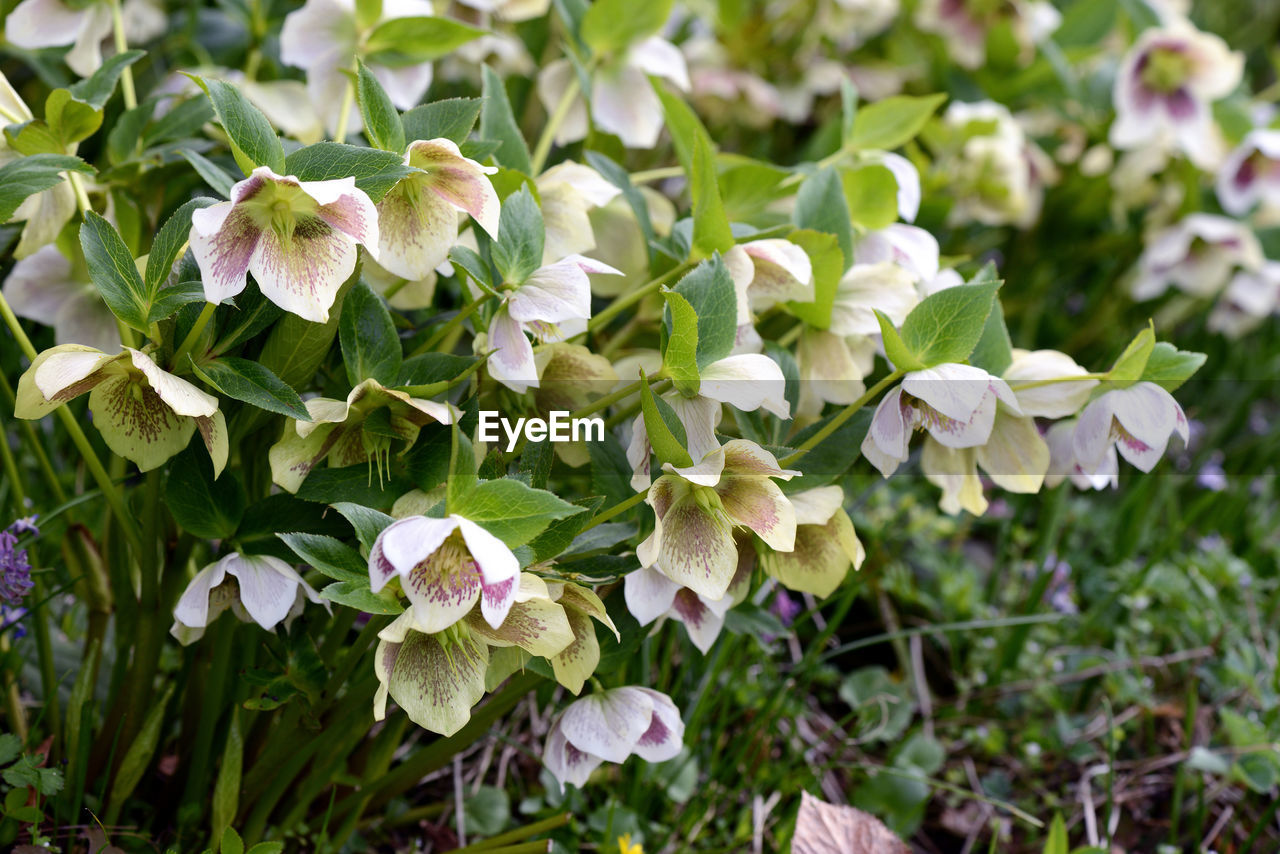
[33,174]
[123,139]
[96,89]
[370,346]
[1132,362]
[892,122]
[821,206]
[375,171]
[430,368]
[711,231]
[381,121]
[848,110]
[709,290]
[1170,367]
[497,122]
[452,119]
[203,507]
[226,789]
[213,174]
[170,240]
[174,297]
[356,483]
[518,250]
[871,192]
[70,119]
[252,383]
[1057,842]
[897,352]
[411,41]
[112,269]
[667,435]
[511,510]
[828,266]
[610,25]
[33,137]
[137,759]
[946,326]
[231,842]
[358,595]
[329,555]
[994,352]
[680,358]
[488,810]
[253,141]
[367,522]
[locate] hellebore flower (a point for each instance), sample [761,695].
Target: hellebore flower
[1063,463]
[1137,421]
[351,431]
[769,271]
[47,288]
[1165,87]
[609,727]
[622,101]
[257,588]
[575,663]
[1197,256]
[955,403]
[692,541]
[46,212]
[1014,456]
[651,595]
[911,248]
[998,174]
[1054,400]
[143,413]
[445,567]
[964,24]
[297,238]
[52,23]
[436,678]
[826,544]
[1251,173]
[550,295]
[747,381]
[864,288]
[1247,301]
[569,191]
[323,36]
[418,218]
[832,368]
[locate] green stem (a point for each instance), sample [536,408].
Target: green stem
[194,335]
[502,840]
[558,115]
[844,415]
[608,400]
[122,44]
[616,510]
[1055,381]
[629,299]
[659,174]
[344,112]
[219,666]
[454,323]
[146,656]
[48,674]
[16,715]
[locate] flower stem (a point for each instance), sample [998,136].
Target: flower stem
[627,300]
[127,523]
[557,117]
[844,415]
[608,400]
[616,510]
[77,187]
[659,174]
[194,335]
[344,112]
[122,44]
[1055,381]
[455,322]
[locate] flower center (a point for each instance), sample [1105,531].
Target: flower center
[1164,70]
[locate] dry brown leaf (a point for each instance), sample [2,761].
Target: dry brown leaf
[823,828]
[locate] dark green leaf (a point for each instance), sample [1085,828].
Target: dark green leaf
[96,89]
[375,171]
[511,510]
[358,595]
[170,240]
[32,174]
[329,555]
[253,140]
[381,121]
[203,507]
[666,433]
[112,269]
[449,119]
[498,122]
[821,206]
[251,383]
[368,523]
[370,345]
[213,174]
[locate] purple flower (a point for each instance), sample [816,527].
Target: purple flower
[15,571]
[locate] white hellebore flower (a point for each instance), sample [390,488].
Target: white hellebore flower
[1052,400]
[964,24]
[418,218]
[49,289]
[1165,87]
[52,23]
[622,101]
[1063,462]
[445,567]
[826,544]
[144,413]
[609,727]
[911,248]
[297,238]
[1197,255]
[886,286]
[651,595]
[257,588]
[955,403]
[550,295]
[1137,421]
[435,678]
[1248,300]
[569,191]
[323,36]
[999,174]
[45,213]
[1251,173]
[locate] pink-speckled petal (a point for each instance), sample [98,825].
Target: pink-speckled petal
[223,239]
[304,276]
[757,504]
[458,180]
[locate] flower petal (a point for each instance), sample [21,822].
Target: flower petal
[499,568]
[404,544]
[553,293]
[649,594]
[192,609]
[512,363]
[178,394]
[574,664]
[567,763]
[538,626]
[609,724]
[665,736]
[417,229]
[700,622]
[1015,457]
[43,23]
[223,240]
[304,275]
[749,382]
[757,504]
[458,180]
[625,105]
[347,208]
[697,549]
[268,586]
[437,687]
[136,424]
[821,558]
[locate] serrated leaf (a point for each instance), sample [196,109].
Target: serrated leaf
[1132,362]
[252,383]
[895,350]
[33,174]
[890,123]
[452,119]
[169,300]
[711,231]
[358,595]
[381,121]
[511,510]
[253,141]
[821,206]
[96,89]
[1169,367]
[946,326]
[213,174]
[329,555]
[70,119]
[680,358]
[709,291]
[667,435]
[367,522]
[113,271]
[375,171]
[994,352]
[170,240]
[498,123]
[518,250]
[370,345]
